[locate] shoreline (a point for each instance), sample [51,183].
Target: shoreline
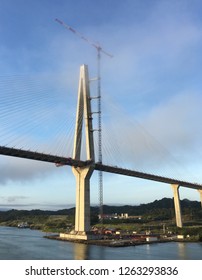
[115,243]
[106,242]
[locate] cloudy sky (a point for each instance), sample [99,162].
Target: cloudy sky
[151,95]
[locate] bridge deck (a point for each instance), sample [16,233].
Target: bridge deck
[100,167]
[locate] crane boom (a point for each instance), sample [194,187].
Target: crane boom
[95,45]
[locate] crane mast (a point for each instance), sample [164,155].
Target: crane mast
[99,105]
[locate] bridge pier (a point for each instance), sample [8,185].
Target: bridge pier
[82,215]
[178,214]
[200,192]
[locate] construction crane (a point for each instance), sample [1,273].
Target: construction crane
[99,105]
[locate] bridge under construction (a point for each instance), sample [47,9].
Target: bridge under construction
[83,169]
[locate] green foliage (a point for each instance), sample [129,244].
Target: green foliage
[191,230]
[37,219]
[156,211]
[94,219]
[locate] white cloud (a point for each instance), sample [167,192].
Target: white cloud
[14,169]
[167,140]
[176,122]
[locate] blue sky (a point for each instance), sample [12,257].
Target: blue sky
[151,92]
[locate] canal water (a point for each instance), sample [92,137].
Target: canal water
[26,244]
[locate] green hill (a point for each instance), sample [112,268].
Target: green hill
[158,210]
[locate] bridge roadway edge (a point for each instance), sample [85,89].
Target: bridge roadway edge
[26,154]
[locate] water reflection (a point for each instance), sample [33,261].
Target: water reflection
[26,244]
[81,251]
[182,252]
[89,252]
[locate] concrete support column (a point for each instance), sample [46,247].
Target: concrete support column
[178,215]
[82,215]
[200,192]
[83,174]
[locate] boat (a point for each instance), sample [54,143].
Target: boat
[23,225]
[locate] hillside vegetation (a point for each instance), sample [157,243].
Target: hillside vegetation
[152,214]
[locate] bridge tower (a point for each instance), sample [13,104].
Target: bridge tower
[83,174]
[178,214]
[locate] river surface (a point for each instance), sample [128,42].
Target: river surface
[26,244]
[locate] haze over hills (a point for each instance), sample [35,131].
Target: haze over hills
[164,203]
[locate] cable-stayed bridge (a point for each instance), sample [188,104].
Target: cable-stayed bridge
[82,168]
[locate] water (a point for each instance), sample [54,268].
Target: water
[26,244]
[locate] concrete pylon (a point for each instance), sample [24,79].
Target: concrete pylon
[178,214]
[83,174]
[200,192]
